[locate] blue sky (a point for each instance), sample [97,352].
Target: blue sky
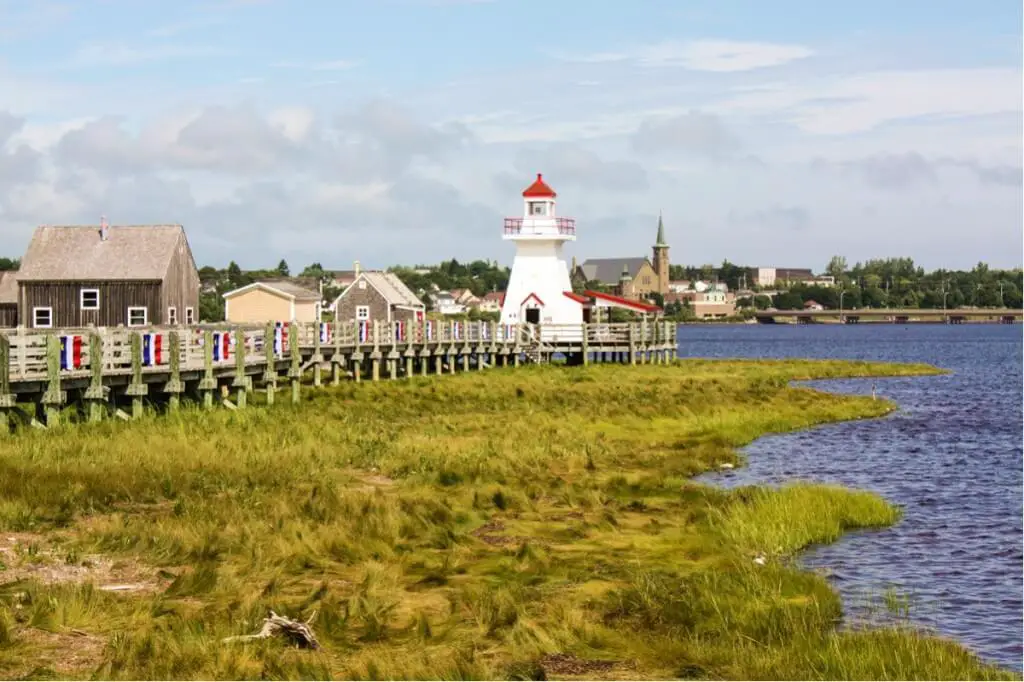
[401,131]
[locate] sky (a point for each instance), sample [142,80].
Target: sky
[772,134]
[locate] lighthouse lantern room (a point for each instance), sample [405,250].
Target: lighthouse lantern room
[539,289]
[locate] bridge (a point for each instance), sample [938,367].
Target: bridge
[892,315]
[50,376]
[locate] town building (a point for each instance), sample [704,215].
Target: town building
[491,302]
[107,275]
[9,298]
[277,300]
[378,296]
[539,289]
[770,277]
[646,276]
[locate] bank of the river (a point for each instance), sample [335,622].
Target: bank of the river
[516,523]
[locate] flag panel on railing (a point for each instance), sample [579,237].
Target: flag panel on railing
[280,338]
[153,349]
[430,330]
[326,332]
[399,330]
[70,352]
[364,331]
[221,346]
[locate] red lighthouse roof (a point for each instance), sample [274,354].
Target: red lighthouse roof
[539,188]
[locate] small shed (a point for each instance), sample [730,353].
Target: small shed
[378,296]
[9,298]
[272,301]
[106,276]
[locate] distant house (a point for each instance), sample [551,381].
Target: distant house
[465,297]
[107,275]
[491,302]
[445,303]
[378,296]
[9,298]
[811,304]
[272,301]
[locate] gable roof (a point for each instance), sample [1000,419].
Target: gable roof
[390,287]
[609,270]
[621,302]
[76,252]
[289,290]
[539,188]
[8,286]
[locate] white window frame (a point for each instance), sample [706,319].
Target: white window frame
[81,299]
[49,316]
[190,315]
[362,284]
[362,312]
[172,315]
[145,315]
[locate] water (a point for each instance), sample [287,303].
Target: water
[950,456]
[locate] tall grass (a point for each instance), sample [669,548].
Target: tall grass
[505,524]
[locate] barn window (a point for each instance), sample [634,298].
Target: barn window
[362,284]
[172,315]
[190,316]
[137,317]
[42,317]
[363,312]
[89,299]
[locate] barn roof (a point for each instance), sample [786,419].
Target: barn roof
[76,252]
[8,286]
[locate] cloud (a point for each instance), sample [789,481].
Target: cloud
[328,65]
[718,56]
[572,165]
[694,132]
[911,169]
[786,218]
[103,54]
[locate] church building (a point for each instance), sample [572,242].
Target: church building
[630,277]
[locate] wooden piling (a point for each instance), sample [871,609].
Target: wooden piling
[174,386]
[54,397]
[8,400]
[96,394]
[241,380]
[270,358]
[295,370]
[318,356]
[137,389]
[208,384]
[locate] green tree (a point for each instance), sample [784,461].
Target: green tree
[836,267]
[282,268]
[10,263]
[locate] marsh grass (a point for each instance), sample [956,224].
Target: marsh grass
[521,524]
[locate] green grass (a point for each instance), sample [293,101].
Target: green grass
[517,524]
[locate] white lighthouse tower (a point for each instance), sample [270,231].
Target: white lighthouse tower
[539,290]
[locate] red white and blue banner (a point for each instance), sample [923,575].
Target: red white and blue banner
[485,331]
[280,338]
[400,330]
[510,331]
[429,330]
[457,330]
[221,346]
[70,352]
[153,352]
[326,332]
[364,331]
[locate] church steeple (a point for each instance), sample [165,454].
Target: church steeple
[660,253]
[660,240]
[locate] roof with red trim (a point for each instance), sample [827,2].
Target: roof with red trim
[577,297]
[539,188]
[624,302]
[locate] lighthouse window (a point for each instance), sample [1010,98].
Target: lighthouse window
[537,208]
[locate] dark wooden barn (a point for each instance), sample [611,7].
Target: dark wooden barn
[9,298]
[106,276]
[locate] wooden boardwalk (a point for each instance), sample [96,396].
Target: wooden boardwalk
[43,374]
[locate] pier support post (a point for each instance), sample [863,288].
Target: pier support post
[357,367]
[241,381]
[318,357]
[208,384]
[295,370]
[337,358]
[137,389]
[375,356]
[584,345]
[409,369]
[95,394]
[270,358]
[174,387]
[54,397]
[392,367]
[7,399]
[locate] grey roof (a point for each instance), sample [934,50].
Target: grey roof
[296,289]
[392,288]
[76,252]
[8,286]
[609,270]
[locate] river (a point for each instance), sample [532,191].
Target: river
[950,456]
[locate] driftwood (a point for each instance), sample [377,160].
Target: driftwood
[294,630]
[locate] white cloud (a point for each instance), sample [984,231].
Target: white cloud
[101,54]
[703,55]
[328,65]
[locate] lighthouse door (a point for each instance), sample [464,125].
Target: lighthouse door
[533,316]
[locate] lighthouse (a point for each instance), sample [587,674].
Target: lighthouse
[539,290]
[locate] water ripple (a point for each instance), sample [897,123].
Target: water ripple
[950,457]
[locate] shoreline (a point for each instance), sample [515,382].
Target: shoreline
[524,508]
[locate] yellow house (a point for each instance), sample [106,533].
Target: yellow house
[271,302]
